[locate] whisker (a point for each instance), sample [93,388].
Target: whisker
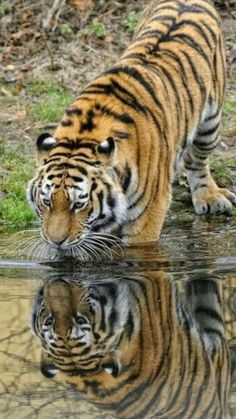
[102,246]
[91,250]
[85,251]
[107,236]
[116,246]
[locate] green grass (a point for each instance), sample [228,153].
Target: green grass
[229,107]
[66,31]
[5,8]
[49,99]
[16,171]
[221,170]
[53,100]
[131,21]
[96,28]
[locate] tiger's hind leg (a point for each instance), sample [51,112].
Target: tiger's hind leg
[206,195]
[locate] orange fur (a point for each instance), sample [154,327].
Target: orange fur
[162,99]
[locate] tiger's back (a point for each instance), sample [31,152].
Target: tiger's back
[119,140]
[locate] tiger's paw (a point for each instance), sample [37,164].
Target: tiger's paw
[213,200]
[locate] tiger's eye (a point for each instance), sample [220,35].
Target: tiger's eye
[46,202]
[80,319]
[48,321]
[78,205]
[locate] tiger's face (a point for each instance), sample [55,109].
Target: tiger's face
[77,195]
[77,328]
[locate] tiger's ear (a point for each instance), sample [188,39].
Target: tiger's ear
[106,151]
[47,367]
[44,143]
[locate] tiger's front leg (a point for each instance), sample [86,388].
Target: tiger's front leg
[148,224]
[207,196]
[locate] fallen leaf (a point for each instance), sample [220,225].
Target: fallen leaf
[82,4]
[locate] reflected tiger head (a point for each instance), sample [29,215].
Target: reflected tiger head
[77,195]
[80,327]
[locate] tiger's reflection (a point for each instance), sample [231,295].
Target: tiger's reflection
[137,345]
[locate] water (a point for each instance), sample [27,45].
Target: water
[147,281]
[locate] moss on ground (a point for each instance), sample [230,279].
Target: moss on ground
[53,100]
[16,170]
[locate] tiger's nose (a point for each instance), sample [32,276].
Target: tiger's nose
[58,242]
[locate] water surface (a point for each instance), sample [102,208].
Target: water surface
[190,252]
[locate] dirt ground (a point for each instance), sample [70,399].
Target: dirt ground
[69,43]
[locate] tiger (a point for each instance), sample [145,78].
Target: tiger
[137,345]
[108,169]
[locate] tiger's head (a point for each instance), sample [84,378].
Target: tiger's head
[80,327]
[77,194]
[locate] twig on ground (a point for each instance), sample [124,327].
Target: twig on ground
[53,66]
[54,11]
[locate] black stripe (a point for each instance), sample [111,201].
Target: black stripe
[125,118]
[71,145]
[191,42]
[66,123]
[199,186]
[89,162]
[169,77]
[136,75]
[191,23]
[133,103]
[109,89]
[210,131]
[100,196]
[208,28]
[88,125]
[138,55]
[60,154]
[77,178]
[150,34]
[137,106]
[63,166]
[52,176]
[129,326]
[32,192]
[81,155]
[213,116]
[163,18]
[126,178]
[90,146]
[136,393]
[183,76]
[196,9]
[197,77]
[82,170]
[73,111]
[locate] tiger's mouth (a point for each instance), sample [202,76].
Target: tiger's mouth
[90,246]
